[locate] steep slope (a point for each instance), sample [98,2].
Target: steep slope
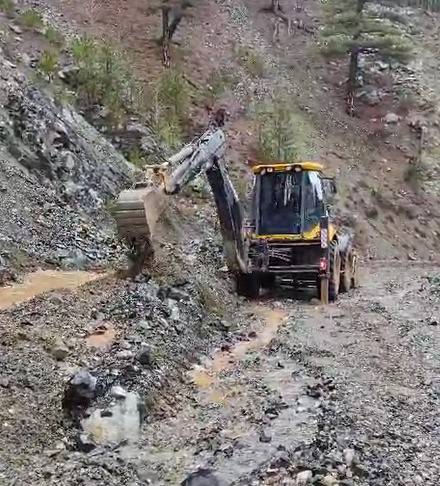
[57,174]
[369,155]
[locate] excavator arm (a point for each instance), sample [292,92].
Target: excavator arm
[137,210]
[230,215]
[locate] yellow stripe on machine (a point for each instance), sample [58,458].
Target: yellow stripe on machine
[286,166]
[312,234]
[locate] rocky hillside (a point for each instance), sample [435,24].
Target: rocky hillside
[382,195]
[144,381]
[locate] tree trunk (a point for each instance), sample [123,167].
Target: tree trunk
[169,28]
[165,22]
[178,14]
[352,80]
[354,62]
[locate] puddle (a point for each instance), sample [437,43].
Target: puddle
[43,281]
[207,377]
[102,337]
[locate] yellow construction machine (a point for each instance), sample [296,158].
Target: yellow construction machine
[289,237]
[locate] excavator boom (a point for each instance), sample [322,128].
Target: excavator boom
[137,210]
[196,158]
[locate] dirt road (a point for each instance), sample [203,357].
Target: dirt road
[346,394]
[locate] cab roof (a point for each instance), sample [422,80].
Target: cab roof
[287,166]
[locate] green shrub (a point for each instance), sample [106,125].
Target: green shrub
[277,132]
[103,77]
[31,19]
[136,158]
[54,36]
[48,62]
[218,82]
[170,95]
[407,100]
[173,93]
[413,175]
[212,302]
[6,6]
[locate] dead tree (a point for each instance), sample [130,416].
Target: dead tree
[172,15]
[277,9]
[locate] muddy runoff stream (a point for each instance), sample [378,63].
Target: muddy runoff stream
[246,405]
[42,281]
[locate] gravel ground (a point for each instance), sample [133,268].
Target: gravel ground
[345,394]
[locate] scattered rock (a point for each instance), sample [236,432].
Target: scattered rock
[329,480]
[80,392]
[178,294]
[391,118]
[85,443]
[202,477]
[125,354]
[144,356]
[68,73]
[118,392]
[349,456]
[4,382]
[360,470]
[303,478]
[370,96]
[16,29]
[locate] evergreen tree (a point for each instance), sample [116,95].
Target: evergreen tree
[353,27]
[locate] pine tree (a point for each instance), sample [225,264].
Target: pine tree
[277,131]
[353,27]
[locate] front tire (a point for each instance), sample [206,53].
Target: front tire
[248,285]
[267,281]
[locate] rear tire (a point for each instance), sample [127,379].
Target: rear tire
[323,289]
[347,274]
[248,285]
[354,277]
[335,272]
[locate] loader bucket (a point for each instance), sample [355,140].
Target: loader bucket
[136,212]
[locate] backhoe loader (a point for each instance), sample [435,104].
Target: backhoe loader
[288,239]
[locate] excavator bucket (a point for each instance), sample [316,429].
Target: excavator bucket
[136,212]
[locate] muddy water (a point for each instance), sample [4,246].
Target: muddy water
[237,395]
[226,388]
[207,379]
[43,281]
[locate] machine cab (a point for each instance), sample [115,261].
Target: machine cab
[288,200]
